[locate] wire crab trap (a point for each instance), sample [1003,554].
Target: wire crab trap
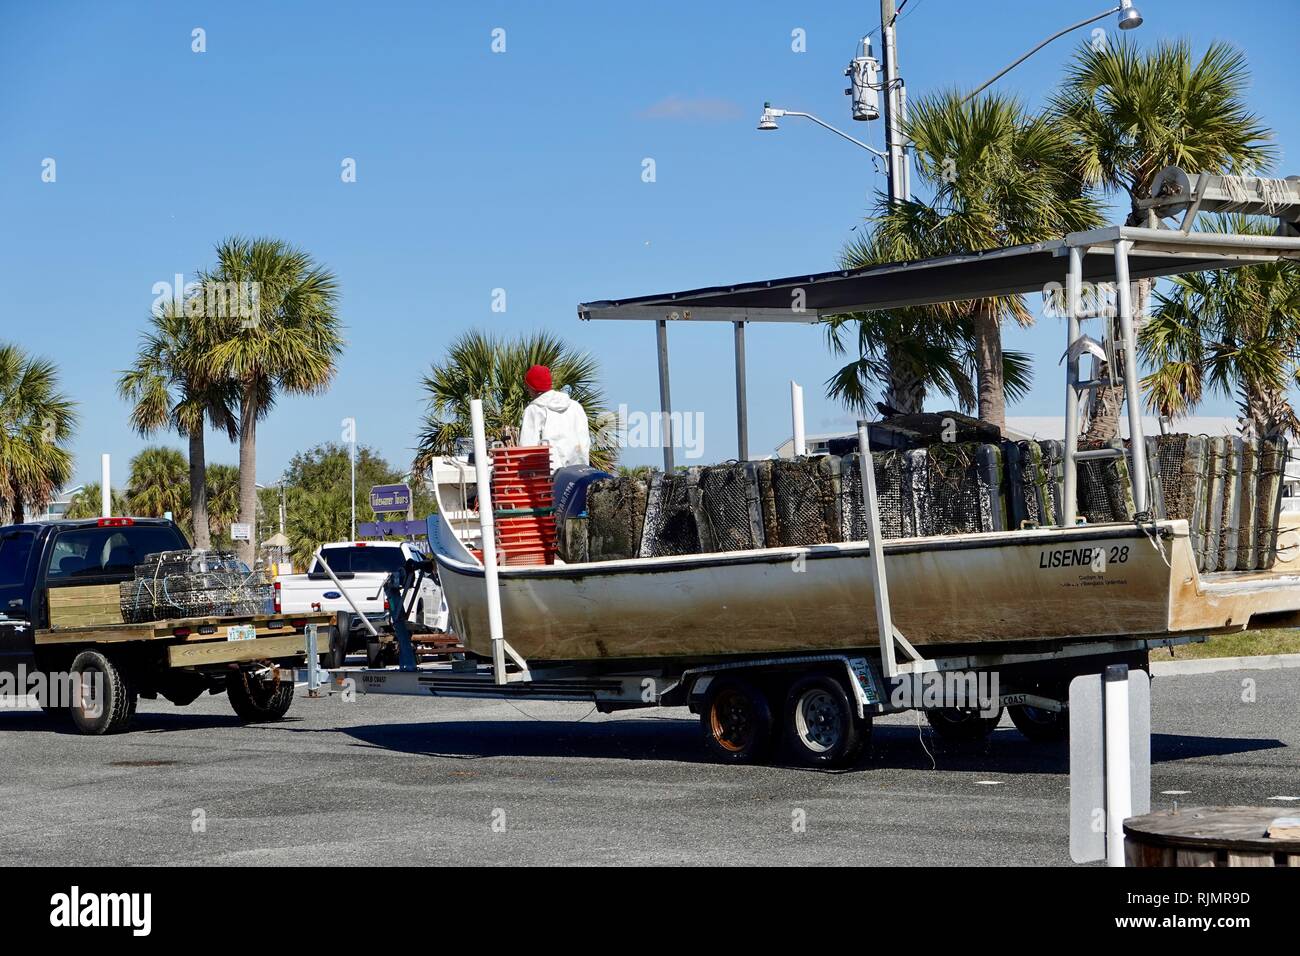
[728,507]
[175,584]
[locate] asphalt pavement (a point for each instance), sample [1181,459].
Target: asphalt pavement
[420,781]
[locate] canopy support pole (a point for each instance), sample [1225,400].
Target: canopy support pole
[742,402]
[665,396]
[1132,387]
[1073,282]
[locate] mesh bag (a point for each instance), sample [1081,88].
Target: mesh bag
[1033,472]
[1104,490]
[800,498]
[571,539]
[190,584]
[670,526]
[728,510]
[615,517]
[1216,470]
[1230,509]
[893,497]
[1246,495]
[1268,500]
[957,488]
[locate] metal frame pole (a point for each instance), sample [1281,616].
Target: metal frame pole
[665,395]
[742,401]
[1073,283]
[876,554]
[1119,785]
[487,526]
[1132,387]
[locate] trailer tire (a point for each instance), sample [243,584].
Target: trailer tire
[113,711]
[336,653]
[737,722]
[822,726]
[1041,726]
[962,725]
[256,700]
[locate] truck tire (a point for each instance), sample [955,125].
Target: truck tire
[822,727]
[104,699]
[737,722]
[256,700]
[1041,726]
[962,725]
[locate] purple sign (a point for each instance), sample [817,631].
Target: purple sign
[389,499]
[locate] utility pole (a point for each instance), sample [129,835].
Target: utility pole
[894,100]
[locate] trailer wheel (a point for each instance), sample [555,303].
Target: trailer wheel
[822,726]
[103,697]
[336,654]
[737,722]
[256,699]
[963,725]
[1041,726]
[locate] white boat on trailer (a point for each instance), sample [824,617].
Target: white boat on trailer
[753,647]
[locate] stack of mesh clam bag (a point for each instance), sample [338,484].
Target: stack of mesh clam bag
[671,527]
[958,489]
[728,507]
[893,497]
[616,510]
[800,501]
[1104,489]
[194,584]
[1242,498]
[1034,477]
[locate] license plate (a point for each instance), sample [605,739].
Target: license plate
[241,632]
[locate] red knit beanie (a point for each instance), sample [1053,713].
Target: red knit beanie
[538,378]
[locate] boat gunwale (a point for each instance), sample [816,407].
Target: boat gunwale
[1165,528]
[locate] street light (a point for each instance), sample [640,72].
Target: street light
[1129,19]
[771,114]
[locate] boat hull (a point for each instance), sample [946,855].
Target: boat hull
[1023,586]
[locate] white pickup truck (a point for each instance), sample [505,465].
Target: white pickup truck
[361,567]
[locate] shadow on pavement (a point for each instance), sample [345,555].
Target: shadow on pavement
[892,746]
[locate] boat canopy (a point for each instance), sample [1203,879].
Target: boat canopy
[976,275]
[1115,255]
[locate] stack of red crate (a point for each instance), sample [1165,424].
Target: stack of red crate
[522,506]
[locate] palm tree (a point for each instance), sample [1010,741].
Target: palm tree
[289,344]
[86,502]
[1235,332]
[999,176]
[170,388]
[912,351]
[223,501]
[481,366]
[1131,114]
[159,483]
[36,422]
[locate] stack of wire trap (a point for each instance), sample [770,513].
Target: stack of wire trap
[194,584]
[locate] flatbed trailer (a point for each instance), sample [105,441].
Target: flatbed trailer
[109,666]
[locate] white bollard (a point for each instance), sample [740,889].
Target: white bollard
[1119,786]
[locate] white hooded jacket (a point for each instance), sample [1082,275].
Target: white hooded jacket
[554,419]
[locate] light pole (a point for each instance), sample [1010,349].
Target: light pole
[1129,19]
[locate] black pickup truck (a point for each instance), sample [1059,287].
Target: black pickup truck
[61,624]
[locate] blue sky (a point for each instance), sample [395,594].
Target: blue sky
[479,170]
